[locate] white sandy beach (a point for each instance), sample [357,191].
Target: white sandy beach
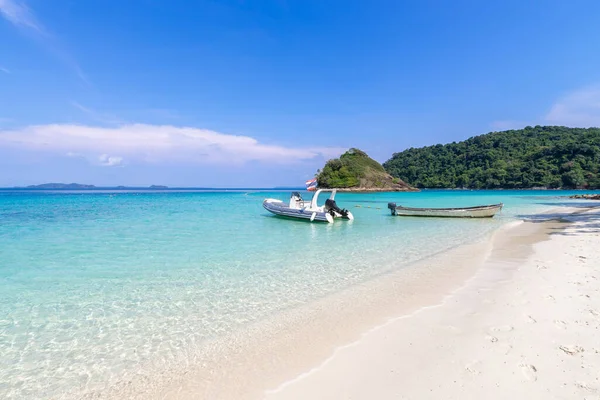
[521,328]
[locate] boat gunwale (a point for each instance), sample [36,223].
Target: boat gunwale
[287,212]
[473,208]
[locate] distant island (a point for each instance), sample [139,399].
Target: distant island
[355,171]
[544,157]
[73,186]
[79,186]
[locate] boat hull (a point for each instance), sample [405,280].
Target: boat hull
[282,209]
[468,212]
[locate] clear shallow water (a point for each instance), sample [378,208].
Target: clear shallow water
[93,284]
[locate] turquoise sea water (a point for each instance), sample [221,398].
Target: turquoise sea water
[93,284]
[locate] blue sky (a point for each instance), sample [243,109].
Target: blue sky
[261,93]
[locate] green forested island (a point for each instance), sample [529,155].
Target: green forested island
[356,171]
[533,157]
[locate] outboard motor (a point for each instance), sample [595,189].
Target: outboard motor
[392,207]
[332,207]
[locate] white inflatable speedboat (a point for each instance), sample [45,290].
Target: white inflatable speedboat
[299,208]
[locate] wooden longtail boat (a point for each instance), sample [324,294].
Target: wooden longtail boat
[464,212]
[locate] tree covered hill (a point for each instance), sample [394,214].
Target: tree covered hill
[356,171]
[541,156]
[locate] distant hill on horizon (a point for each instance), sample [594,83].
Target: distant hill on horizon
[79,186]
[61,186]
[552,157]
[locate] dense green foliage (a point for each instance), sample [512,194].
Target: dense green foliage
[541,156]
[356,169]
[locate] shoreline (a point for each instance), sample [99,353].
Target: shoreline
[266,355]
[523,326]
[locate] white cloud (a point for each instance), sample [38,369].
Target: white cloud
[5,70]
[19,14]
[109,161]
[580,108]
[154,144]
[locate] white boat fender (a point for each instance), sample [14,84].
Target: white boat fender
[312,217]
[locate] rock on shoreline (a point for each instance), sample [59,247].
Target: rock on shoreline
[586,196]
